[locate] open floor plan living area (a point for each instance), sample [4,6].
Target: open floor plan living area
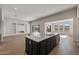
[39,29]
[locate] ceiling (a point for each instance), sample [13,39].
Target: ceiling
[30,12]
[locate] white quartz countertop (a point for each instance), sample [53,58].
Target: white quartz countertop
[40,37]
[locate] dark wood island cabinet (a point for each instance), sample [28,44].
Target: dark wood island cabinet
[42,45]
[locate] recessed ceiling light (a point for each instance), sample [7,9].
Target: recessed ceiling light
[15,8]
[28,18]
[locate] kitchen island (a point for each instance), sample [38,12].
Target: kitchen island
[41,45]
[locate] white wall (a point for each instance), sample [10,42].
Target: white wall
[71,13]
[77,26]
[0,24]
[8,30]
[59,16]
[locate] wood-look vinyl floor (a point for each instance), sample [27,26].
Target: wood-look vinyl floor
[66,47]
[13,45]
[16,46]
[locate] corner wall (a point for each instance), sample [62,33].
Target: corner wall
[1,22]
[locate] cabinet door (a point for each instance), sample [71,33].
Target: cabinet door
[52,42]
[57,39]
[28,46]
[42,48]
[34,48]
[31,47]
[55,43]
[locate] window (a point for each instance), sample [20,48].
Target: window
[49,28]
[56,27]
[66,27]
[36,28]
[61,27]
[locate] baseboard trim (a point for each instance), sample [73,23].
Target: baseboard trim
[78,43]
[14,35]
[1,41]
[75,41]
